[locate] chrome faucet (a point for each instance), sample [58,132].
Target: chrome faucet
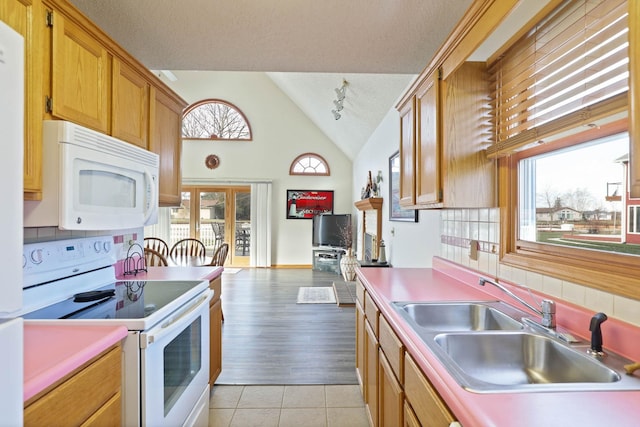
[548,307]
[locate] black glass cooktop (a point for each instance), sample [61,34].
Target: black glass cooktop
[126,299]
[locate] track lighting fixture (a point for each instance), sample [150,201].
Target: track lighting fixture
[339,101]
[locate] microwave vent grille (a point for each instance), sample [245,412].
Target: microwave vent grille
[113,146]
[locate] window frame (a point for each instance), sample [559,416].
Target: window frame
[306,155]
[217,101]
[610,272]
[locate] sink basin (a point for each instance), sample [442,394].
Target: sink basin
[458,316]
[515,360]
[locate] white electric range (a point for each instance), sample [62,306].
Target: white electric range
[166,353]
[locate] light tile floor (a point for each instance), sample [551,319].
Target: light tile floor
[285,405]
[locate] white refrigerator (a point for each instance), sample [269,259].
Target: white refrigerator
[11,185]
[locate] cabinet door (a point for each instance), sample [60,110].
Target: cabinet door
[129,105]
[80,75]
[19,15]
[423,398]
[165,140]
[390,395]
[407,154]
[215,341]
[469,178]
[428,149]
[360,346]
[371,375]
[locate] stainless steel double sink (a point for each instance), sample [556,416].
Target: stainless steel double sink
[490,347]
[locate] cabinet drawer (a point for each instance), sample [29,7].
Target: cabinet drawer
[110,414]
[392,347]
[423,398]
[82,395]
[372,312]
[360,292]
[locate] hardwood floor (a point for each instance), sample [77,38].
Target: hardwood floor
[269,339]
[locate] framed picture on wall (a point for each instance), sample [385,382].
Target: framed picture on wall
[396,213]
[304,204]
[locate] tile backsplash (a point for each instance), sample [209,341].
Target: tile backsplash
[461,227]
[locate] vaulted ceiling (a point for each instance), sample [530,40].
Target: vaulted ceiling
[306,47]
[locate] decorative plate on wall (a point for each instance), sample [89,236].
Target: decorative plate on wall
[212,161]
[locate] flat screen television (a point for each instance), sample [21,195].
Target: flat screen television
[328,230]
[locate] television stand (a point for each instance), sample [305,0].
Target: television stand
[327,259]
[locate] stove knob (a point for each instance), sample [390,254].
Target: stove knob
[97,247]
[36,256]
[24,261]
[107,246]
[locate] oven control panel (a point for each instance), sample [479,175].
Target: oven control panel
[44,261]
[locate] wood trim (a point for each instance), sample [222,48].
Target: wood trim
[614,273]
[634,96]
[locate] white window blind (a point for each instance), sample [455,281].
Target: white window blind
[571,67]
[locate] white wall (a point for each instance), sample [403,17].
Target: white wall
[281,132]
[408,244]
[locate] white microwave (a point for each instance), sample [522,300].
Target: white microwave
[92,181]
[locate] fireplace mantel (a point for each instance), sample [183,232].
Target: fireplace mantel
[371,224]
[372,203]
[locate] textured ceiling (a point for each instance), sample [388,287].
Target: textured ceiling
[307,47]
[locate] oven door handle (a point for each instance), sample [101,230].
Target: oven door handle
[168,326]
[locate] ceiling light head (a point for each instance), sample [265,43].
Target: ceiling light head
[341,91]
[336,115]
[338,105]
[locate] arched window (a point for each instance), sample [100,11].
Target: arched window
[215,119]
[309,164]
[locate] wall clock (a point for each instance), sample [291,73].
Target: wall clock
[212,161]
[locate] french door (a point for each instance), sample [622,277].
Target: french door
[216,215]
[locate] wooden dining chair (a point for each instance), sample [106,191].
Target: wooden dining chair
[187,252]
[158,245]
[220,256]
[154,258]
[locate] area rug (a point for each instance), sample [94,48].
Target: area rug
[316,295]
[229,270]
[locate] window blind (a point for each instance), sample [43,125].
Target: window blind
[571,67]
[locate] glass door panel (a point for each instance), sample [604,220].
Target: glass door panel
[242,227]
[215,215]
[181,220]
[213,207]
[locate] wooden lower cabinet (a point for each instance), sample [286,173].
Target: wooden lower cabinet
[390,395]
[429,408]
[396,392]
[215,331]
[360,346]
[410,419]
[371,374]
[90,396]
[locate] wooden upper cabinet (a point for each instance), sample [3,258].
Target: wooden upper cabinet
[165,140]
[468,176]
[129,104]
[23,17]
[428,143]
[407,154]
[80,75]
